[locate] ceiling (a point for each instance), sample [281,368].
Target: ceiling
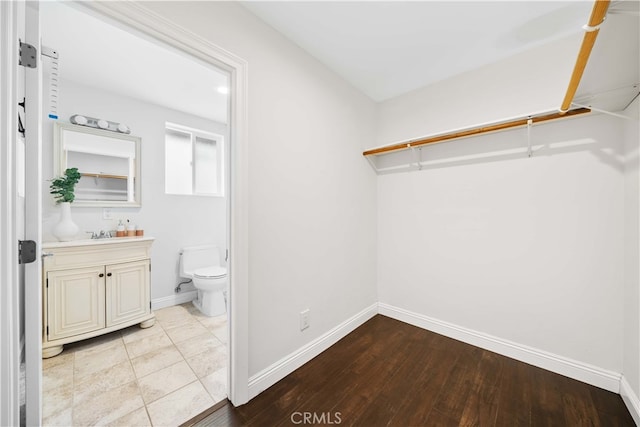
[389,48]
[97,54]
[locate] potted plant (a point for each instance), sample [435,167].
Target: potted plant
[62,189]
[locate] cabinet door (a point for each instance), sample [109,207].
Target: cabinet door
[75,301]
[128,291]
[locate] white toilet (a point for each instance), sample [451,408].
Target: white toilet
[201,264]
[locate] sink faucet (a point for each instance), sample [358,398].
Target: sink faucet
[103,234]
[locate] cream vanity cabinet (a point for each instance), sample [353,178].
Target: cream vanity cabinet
[91,287]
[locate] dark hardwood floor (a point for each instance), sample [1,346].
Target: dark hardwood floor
[389,373]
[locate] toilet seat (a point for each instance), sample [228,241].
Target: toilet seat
[213,272]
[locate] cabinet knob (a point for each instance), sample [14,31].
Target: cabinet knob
[101,275]
[108,274]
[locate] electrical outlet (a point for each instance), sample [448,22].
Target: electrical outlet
[107,213]
[304,319]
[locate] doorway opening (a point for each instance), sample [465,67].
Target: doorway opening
[169,218]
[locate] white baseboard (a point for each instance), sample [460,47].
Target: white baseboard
[570,368]
[630,399]
[176,299]
[274,373]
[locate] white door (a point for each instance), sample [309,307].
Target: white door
[15,222]
[9,269]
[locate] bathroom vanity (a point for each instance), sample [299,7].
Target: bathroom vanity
[92,287]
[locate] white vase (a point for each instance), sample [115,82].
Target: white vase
[66,229]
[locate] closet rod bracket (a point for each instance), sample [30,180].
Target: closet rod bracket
[588,28]
[529,125]
[417,154]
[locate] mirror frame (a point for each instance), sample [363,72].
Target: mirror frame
[59,162]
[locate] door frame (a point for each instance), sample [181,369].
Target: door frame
[9,286]
[137,17]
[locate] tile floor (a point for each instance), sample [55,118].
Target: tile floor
[159,376]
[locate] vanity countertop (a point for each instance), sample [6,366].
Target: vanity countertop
[95,242]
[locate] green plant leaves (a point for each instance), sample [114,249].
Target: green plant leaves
[63,187]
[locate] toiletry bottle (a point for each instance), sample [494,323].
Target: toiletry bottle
[120,230]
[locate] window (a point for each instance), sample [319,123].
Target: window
[193,161]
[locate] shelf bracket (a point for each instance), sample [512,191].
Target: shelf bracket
[529,125]
[417,154]
[600,110]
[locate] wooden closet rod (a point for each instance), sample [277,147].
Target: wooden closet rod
[597,18]
[473,131]
[102,175]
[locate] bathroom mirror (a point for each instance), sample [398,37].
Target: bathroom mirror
[109,163]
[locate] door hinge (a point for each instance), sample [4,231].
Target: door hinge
[149,266]
[28,55]
[26,251]
[47,282]
[47,330]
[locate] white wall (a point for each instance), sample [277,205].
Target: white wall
[631,365]
[175,221]
[526,249]
[312,201]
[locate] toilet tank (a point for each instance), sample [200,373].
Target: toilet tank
[195,257]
